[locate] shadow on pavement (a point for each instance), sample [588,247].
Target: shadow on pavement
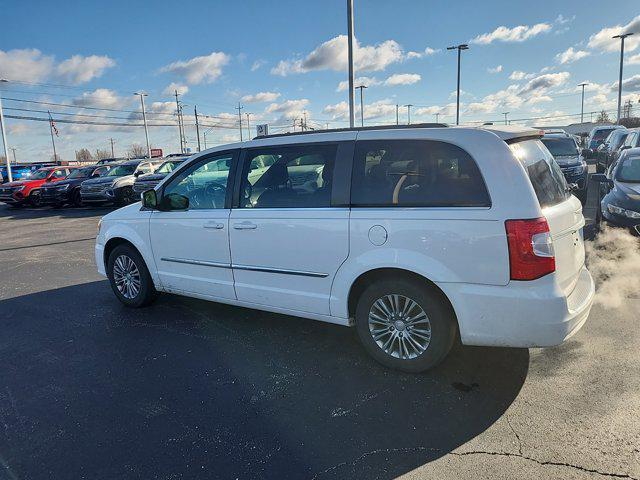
[191,389]
[7,211]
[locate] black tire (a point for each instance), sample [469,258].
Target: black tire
[35,200]
[146,293]
[124,197]
[599,168]
[598,220]
[442,321]
[76,198]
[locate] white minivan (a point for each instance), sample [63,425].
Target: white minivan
[414,235]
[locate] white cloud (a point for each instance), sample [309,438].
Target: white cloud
[603,41]
[206,68]
[631,84]
[257,64]
[18,129]
[170,89]
[515,34]
[518,75]
[368,81]
[426,52]
[570,55]
[102,98]
[633,60]
[25,65]
[402,79]
[332,55]
[261,97]
[79,69]
[288,109]
[544,82]
[561,20]
[496,69]
[339,111]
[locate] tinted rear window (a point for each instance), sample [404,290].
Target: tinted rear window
[544,173]
[415,173]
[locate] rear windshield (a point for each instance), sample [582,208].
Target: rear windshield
[561,147]
[601,134]
[629,170]
[545,174]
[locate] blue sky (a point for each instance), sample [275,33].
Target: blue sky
[285,59]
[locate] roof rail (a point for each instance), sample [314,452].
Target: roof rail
[356,129]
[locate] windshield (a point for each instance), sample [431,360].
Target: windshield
[629,170]
[39,175]
[616,138]
[80,173]
[561,147]
[601,134]
[167,167]
[122,170]
[544,173]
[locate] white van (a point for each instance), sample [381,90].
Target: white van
[413,235]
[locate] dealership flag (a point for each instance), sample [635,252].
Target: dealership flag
[53,125]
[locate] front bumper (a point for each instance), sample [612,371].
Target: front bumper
[521,314]
[95,197]
[580,179]
[54,195]
[633,225]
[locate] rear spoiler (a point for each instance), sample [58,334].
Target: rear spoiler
[537,136]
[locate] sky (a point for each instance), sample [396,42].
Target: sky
[287,60]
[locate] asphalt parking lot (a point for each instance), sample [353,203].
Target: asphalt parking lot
[190,389]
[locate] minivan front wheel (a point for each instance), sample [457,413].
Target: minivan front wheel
[129,277]
[405,325]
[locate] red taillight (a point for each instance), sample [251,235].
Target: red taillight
[531,252]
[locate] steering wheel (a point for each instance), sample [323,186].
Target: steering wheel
[207,197]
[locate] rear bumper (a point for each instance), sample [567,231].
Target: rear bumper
[521,314]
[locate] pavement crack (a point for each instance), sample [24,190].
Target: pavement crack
[515,433]
[545,463]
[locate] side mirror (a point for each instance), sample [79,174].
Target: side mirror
[95,174]
[137,173]
[601,178]
[625,147]
[174,201]
[150,199]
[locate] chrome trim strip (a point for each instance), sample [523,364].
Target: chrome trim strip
[280,270]
[202,263]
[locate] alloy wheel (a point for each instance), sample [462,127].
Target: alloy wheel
[399,326]
[126,276]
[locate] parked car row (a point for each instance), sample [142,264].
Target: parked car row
[102,183]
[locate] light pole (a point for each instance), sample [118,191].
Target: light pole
[4,139]
[409,113]
[583,84]
[462,46]
[622,36]
[361,87]
[144,119]
[248,125]
[239,108]
[350,59]
[437,116]
[505,117]
[15,160]
[397,116]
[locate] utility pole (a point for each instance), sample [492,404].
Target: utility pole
[113,155]
[179,116]
[361,87]
[462,46]
[248,126]
[505,117]
[303,121]
[4,138]
[350,58]
[621,37]
[15,160]
[55,155]
[409,113]
[397,115]
[583,84]
[204,135]
[437,116]
[239,108]
[144,119]
[195,112]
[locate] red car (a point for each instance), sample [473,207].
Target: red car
[27,191]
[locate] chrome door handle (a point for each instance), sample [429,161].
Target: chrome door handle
[245,226]
[214,225]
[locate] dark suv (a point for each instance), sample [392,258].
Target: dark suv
[67,191]
[150,180]
[569,157]
[117,185]
[608,151]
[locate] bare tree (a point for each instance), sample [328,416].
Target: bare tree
[137,151]
[603,117]
[102,154]
[84,155]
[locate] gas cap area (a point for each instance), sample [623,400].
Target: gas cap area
[378,235]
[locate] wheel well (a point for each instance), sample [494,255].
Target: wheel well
[113,243]
[367,278]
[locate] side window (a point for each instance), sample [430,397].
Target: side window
[203,183]
[415,173]
[60,173]
[145,168]
[288,177]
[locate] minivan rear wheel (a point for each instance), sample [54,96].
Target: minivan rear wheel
[129,277]
[405,325]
